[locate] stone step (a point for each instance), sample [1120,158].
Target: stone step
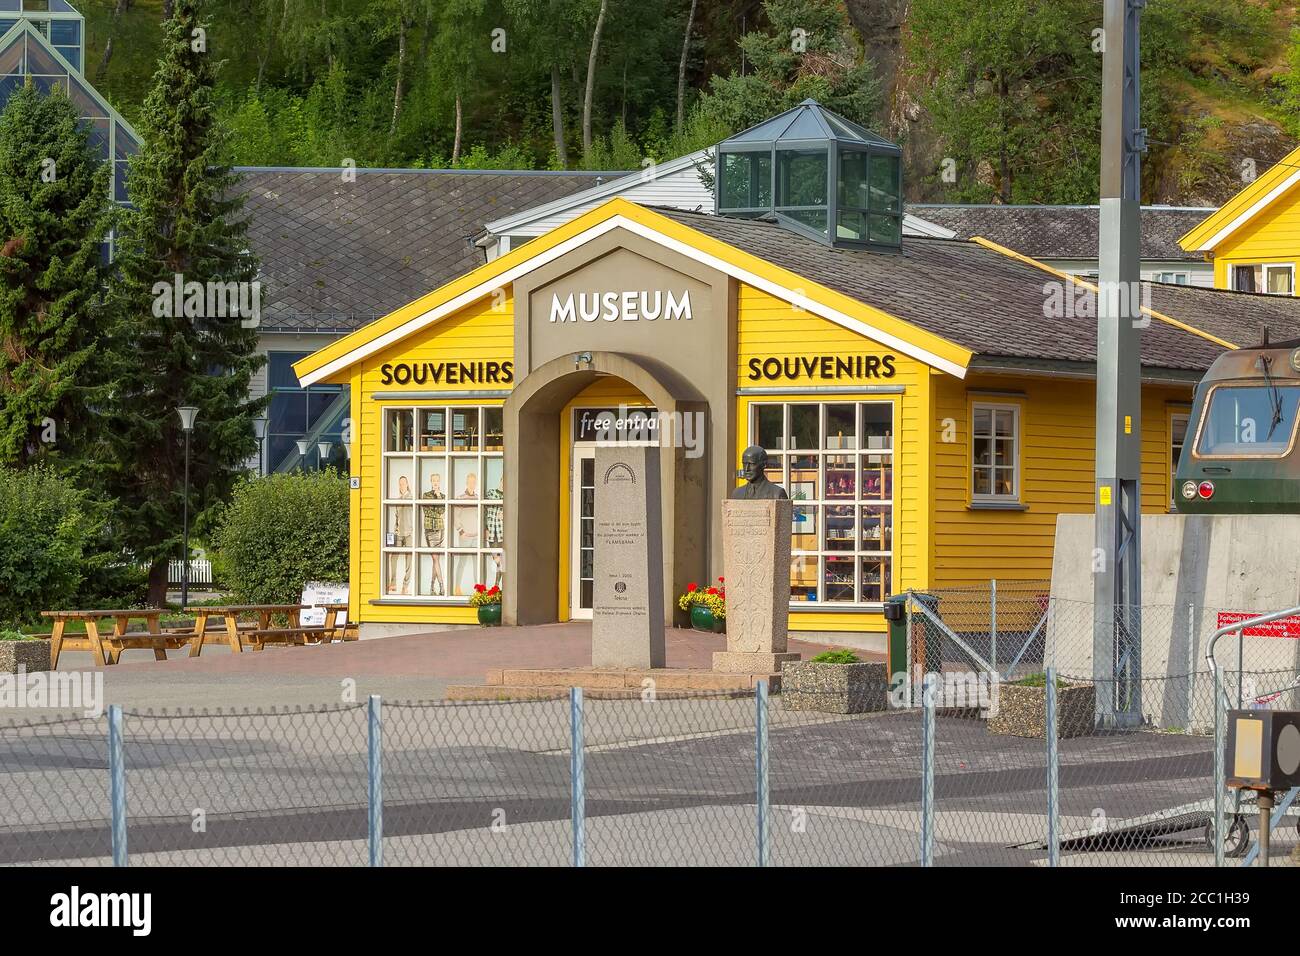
[503,692]
[591,678]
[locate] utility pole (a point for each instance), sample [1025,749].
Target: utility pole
[1117,557]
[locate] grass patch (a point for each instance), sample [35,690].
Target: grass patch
[1040,680]
[837,657]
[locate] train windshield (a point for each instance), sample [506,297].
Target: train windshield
[1249,421]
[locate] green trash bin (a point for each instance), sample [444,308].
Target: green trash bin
[896,646]
[896,616]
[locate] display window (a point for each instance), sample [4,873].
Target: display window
[444,522]
[836,461]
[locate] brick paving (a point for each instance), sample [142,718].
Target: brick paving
[416,666]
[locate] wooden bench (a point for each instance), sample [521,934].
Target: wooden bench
[261,632]
[108,648]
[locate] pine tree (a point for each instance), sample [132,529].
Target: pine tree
[808,50]
[186,227]
[54,213]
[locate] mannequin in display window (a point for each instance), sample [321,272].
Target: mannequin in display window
[401,539]
[435,525]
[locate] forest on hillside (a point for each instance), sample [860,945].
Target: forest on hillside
[992,100]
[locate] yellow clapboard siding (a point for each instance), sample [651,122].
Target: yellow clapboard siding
[480,332]
[1272,237]
[769,327]
[1056,460]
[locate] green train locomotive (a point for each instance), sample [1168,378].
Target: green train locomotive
[1240,456]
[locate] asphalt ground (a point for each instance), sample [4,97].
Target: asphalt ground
[668,782]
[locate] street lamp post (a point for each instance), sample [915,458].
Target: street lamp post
[259,432]
[324,449]
[304,447]
[187,413]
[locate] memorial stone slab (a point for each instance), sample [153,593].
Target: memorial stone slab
[627,626]
[756,563]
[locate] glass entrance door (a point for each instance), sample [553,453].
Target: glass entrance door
[582,516]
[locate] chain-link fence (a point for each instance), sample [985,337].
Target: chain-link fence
[955,766]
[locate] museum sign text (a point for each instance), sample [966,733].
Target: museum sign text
[622,306]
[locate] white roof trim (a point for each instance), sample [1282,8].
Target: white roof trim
[914,226]
[1230,228]
[614,187]
[485,288]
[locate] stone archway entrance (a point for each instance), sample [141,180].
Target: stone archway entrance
[534,485]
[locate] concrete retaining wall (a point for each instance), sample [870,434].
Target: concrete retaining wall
[1193,566]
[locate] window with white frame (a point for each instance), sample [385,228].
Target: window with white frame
[443,528]
[836,460]
[995,452]
[1174,278]
[1276,279]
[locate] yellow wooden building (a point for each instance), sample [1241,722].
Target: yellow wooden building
[928,407]
[1254,238]
[927,403]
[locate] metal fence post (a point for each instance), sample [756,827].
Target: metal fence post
[993,624]
[760,768]
[1220,733]
[1053,780]
[927,770]
[376,787]
[117,785]
[1191,666]
[911,653]
[577,779]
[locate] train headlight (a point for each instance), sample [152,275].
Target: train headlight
[1295,360]
[1206,489]
[1189,489]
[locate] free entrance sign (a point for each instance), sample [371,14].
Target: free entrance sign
[1283,627]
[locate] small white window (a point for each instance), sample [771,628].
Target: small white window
[1279,280]
[1270,279]
[995,452]
[1174,278]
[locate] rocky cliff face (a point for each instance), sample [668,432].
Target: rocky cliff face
[1218,146]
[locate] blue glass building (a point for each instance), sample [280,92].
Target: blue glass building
[46,41]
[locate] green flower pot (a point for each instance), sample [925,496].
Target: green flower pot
[489,615]
[702,619]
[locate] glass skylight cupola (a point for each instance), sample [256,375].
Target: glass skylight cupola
[819,174]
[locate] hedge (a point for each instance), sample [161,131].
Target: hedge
[281,531]
[48,531]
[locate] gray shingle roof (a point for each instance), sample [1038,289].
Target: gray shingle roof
[1061,232]
[993,304]
[338,254]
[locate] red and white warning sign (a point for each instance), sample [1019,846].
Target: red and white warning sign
[1282,627]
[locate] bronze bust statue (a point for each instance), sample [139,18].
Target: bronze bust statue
[753,466]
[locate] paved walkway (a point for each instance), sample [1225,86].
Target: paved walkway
[415,667]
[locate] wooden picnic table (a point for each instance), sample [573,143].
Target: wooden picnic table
[108,648]
[261,633]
